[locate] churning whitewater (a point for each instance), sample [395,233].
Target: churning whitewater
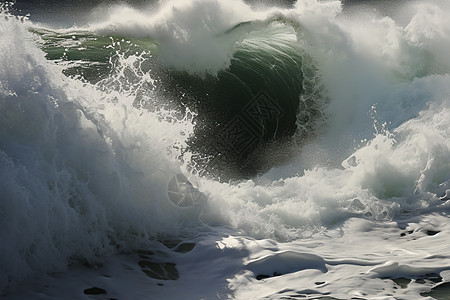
[211,149]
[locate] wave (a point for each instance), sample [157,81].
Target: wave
[83,172]
[87,164]
[264,82]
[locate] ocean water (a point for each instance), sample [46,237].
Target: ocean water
[211,149]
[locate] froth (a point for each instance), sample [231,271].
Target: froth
[190,33]
[83,172]
[385,148]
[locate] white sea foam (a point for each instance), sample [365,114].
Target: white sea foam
[82,170]
[396,124]
[190,32]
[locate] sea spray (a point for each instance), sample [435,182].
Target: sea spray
[83,172]
[87,168]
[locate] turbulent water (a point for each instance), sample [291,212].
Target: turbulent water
[211,149]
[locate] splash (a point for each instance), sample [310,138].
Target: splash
[85,166]
[84,172]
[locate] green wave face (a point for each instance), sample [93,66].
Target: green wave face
[254,112]
[87,55]
[248,113]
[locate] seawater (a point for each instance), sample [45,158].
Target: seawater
[92,137]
